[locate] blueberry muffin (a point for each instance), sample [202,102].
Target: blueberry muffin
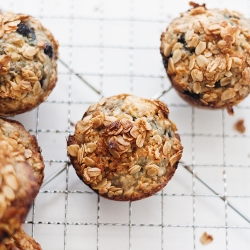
[125,148]
[26,144]
[28,70]
[20,241]
[18,187]
[206,54]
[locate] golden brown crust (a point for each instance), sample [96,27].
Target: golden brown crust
[125,147]
[18,187]
[20,241]
[206,54]
[25,143]
[28,55]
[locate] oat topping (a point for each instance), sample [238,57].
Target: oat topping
[206,55]
[24,143]
[28,54]
[125,147]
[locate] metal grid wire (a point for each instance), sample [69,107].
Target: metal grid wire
[114,46]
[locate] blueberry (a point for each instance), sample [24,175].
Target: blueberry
[42,81]
[217,84]
[193,95]
[182,40]
[169,134]
[24,30]
[48,50]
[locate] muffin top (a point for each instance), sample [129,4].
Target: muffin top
[26,144]
[125,147]
[28,54]
[207,56]
[18,187]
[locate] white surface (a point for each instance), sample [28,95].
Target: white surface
[115,46]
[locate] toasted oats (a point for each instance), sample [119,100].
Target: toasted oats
[9,193]
[134,132]
[90,147]
[157,154]
[237,86]
[3,205]
[215,28]
[189,34]
[81,154]
[171,67]
[152,169]
[200,48]
[228,94]
[134,169]
[11,181]
[27,153]
[202,61]
[139,141]
[197,87]
[93,172]
[175,158]
[166,148]
[89,162]
[102,101]
[176,56]
[197,75]
[225,81]
[73,150]
[167,50]
[191,63]
[114,153]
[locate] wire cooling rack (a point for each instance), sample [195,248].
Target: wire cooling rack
[114,46]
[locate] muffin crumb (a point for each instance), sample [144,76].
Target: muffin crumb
[206,239]
[240,126]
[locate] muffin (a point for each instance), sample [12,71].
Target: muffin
[28,70]
[206,54]
[26,144]
[20,241]
[125,148]
[18,187]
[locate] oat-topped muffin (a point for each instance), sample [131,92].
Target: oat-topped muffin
[18,187]
[125,147]
[28,54]
[206,54]
[20,241]
[26,144]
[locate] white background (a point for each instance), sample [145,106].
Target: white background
[114,45]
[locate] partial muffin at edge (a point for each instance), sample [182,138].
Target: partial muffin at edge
[125,147]
[28,59]
[20,241]
[25,143]
[206,53]
[18,187]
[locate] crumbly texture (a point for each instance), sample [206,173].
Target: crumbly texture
[206,54]
[20,241]
[125,147]
[28,71]
[240,126]
[18,187]
[26,144]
